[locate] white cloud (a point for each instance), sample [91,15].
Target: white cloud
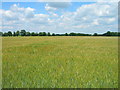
[48,8]
[111,19]
[97,17]
[59,4]
[17,14]
[6,27]
[95,22]
[55,5]
[81,26]
[40,19]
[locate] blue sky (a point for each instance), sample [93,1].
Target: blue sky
[40,7]
[84,17]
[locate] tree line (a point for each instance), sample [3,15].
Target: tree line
[25,33]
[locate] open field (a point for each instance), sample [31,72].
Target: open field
[77,62]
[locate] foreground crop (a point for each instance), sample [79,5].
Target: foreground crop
[60,62]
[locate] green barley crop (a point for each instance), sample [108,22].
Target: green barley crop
[60,62]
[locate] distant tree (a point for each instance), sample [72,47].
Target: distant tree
[17,33]
[57,34]
[14,34]
[111,33]
[5,34]
[44,34]
[78,34]
[114,33]
[118,33]
[108,33]
[9,33]
[28,34]
[95,34]
[33,34]
[72,34]
[40,34]
[36,34]
[23,33]
[49,34]
[53,34]
[66,34]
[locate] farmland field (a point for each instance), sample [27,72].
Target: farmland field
[60,62]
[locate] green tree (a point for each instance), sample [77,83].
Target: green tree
[49,34]
[44,34]
[17,33]
[14,34]
[108,33]
[66,34]
[5,34]
[32,34]
[36,34]
[53,34]
[28,34]
[23,33]
[72,34]
[9,33]
[40,34]
[95,34]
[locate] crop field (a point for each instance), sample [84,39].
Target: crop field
[60,62]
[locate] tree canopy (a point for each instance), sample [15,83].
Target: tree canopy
[25,33]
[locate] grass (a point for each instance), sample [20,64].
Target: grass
[60,62]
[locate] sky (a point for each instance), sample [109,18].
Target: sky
[60,17]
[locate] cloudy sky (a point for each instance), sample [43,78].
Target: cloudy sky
[60,17]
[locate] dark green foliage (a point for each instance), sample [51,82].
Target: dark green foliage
[72,34]
[108,33]
[9,33]
[44,33]
[24,33]
[95,34]
[5,34]
[14,34]
[40,33]
[28,34]
[66,34]
[111,33]
[34,34]
[17,33]
[49,34]
[53,34]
